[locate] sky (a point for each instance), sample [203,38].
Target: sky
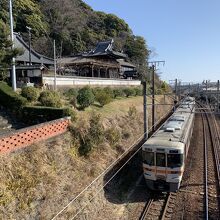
[183,33]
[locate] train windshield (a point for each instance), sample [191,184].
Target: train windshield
[161,160]
[174,160]
[148,158]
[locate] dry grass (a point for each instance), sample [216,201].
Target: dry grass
[38,181]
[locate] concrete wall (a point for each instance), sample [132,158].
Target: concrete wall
[24,137]
[82,81]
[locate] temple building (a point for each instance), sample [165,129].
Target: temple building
[102,62]
[30,66]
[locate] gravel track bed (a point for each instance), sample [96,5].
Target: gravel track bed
[212,184]
[189,201]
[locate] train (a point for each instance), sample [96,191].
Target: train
[164,154]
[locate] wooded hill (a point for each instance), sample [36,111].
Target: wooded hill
[75,26]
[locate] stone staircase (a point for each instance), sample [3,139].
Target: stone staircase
[5,125]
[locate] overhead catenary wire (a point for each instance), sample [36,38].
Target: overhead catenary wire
[105,171]
[97,192]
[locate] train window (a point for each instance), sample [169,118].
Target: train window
[148,158]
[161,160]
[174,160]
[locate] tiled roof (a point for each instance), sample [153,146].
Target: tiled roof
[35,57]
[104,48]
[122,62]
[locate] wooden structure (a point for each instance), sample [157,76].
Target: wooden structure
[102,62]
[27,72]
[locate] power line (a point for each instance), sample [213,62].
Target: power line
[106,170]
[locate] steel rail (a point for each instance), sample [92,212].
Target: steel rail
[205,168]
[166,206]
[146,209]
[149,203]
[215,142]
[214,133]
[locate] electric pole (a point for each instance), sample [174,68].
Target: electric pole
[218,96]
[153,67]
[29,38]
[176,89]
[55,66]
[153,97]
[145,110]
[13,73]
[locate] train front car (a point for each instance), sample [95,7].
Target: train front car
[164,154]
[163,164]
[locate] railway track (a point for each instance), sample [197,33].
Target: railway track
[211,166]
[206,198]
[159,206]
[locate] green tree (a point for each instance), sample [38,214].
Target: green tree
[138,53]
[25,13]
[50,99]
[103,98]
[30,93]
[85,97]
[6,52]
[164,87]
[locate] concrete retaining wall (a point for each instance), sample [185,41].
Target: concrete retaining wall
[24,137]
[82,81]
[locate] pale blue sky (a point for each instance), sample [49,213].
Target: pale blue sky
[184,33]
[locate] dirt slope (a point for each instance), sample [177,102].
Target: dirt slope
[38,181]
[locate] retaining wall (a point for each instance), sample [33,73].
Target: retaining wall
[82,81]
[24,137]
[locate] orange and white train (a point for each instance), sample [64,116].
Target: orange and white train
[164,154]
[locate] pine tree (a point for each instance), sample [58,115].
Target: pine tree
[6,51]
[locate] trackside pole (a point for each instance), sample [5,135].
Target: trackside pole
[145,110]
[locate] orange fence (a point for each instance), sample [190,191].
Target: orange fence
[24,137]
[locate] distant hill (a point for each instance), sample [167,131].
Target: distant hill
[75,26]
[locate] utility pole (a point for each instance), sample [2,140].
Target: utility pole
[55,66]
[154,64]
[153,97]
[176,89]
[179,90]
[218,96]
[29,38]
[13,74]
[145,110]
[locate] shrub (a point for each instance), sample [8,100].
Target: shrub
[138,91]
[89,136]
[85,97]
[103,98]
[70,112]
[128,92]
[132,112]
[165,87]
[50,99]
[73,92]
[96,130]
[109,91]
[30,93]
[85,146]
[118,92]
[96,90]
[158,91]
[39,114]
[113,136]
[10,99]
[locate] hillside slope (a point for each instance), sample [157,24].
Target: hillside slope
[38,181]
